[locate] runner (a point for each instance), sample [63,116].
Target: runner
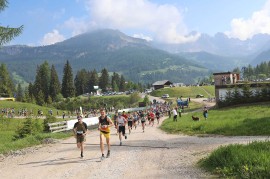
[157,116]
[130,121]
[80,130]
[143,116]
[115,121]
[105,123]
[152,118]
[121,123]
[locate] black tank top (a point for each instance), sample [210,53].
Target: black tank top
[103,121]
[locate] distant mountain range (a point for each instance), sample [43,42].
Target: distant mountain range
[137,59]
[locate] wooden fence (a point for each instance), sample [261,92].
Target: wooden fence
[58,126]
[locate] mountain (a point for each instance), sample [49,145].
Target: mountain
[262,57]
[214,62]
[135,58]
[221,45]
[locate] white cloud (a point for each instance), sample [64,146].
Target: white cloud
[259,22]
[165,21]
[52,37]
[79,26]
[142,36]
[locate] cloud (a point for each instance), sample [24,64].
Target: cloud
[164,21]
[79,25]
[142,36]
[259,22]
[52,38]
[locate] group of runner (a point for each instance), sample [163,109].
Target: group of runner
[120,120]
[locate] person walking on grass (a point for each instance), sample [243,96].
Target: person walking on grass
[205,112]
[121,123]
[104,125]
[174,114]
[80,130]
[179,111]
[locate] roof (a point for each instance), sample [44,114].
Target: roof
[225,73]
[162,82]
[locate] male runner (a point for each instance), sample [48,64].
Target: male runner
[121,123]
[80,130]
[105,123]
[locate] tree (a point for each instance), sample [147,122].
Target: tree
[42,81]
[6,84]
[122,85]
[115,81]
[93,80]
[19,96]
[7,33]
[81,82]
[55,87]
[68,89]
[104,80]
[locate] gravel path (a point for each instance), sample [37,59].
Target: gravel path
[153,154]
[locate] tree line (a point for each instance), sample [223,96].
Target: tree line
[47,88]
[259,72]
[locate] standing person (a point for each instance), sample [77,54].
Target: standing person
[180,111]
[80,130]
[174,114]
[121,123]
[105,123]
[205,112]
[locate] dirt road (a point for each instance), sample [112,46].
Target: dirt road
[153,154]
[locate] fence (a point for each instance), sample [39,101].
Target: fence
[58,126]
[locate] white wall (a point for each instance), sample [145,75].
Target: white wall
[89,121]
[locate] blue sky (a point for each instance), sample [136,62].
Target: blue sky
[170,21]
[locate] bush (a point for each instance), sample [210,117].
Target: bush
[29,127]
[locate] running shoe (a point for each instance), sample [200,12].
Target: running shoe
[81,154]
[108,154]
[102,157]
[120,143]
[125,137]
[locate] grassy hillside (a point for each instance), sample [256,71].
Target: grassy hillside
[248,120]
[185,91]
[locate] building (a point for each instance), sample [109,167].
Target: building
[226,81]
[162,84]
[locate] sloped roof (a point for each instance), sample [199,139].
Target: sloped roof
[162,82]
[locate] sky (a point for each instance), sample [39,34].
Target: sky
[168,21]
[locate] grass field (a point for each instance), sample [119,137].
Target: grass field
[245,120]
[185,91]
[8,129]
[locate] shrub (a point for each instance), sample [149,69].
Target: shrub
[29,127]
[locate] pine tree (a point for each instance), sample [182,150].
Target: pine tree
[68,89]
[7,33]
[42,81]
[122,85]
[93,80]
[104,80]
[55,87]
[80,82]
[6,84]
[115,81]
[19,96]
